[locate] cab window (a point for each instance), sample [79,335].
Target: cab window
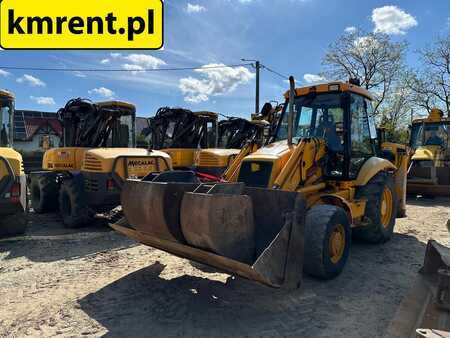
[362,147]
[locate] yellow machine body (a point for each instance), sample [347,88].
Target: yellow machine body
[15,160]
[86,180]
[429,173]
[62,159]
[291,205]
[181,158]
[125,162]
[223,162]
[215,161]
[184,158]
[13,190]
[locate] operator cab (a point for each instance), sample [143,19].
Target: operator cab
[177,128]
[107,124]
[342,115]
[6,118]
[432,131]
[235,132]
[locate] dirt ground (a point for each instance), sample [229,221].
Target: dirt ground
[95,282]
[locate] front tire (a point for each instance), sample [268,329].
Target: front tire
[381,209]
[72,206]
[327,241]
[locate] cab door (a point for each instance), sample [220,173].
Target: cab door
[362,134]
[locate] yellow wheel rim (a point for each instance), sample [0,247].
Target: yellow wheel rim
[337,243]
[386,207]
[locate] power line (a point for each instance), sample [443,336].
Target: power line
[275,72]
[86,70]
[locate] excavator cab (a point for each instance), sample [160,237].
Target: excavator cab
[13,199]
[85,177]
[293,204]
[181,132]
[429,172]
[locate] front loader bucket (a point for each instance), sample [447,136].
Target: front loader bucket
[255,233]
[153,207]
[426,307]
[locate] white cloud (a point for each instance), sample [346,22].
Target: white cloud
[43,100]
[145,61]
[4,73]
[103,92]
[195,8]
[79,74]
[115,55]
[312,78]
[104,61]
[392,20]
[31,80]
[350,29]
[134,68]
[214,81]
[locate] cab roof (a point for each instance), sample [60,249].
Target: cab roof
[117,104]
[6,93]
[331,87]
[436,115]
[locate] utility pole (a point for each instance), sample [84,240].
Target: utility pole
[257,66]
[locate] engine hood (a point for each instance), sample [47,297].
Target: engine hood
[272,151]
[112,153]
[15,160]
[221,152]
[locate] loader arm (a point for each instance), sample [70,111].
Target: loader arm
[302,167]
[232,171]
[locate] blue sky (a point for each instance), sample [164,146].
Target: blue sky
[290,36]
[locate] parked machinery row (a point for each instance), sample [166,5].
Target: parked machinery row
[266,199]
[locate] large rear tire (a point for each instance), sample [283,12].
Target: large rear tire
[44,193]
[72,206]
[327,241]
[381,209]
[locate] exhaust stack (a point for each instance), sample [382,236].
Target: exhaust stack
[291,109]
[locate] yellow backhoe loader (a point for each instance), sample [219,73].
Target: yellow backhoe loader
[296,202]
[181,132]
[87,174]
[13,199]
[429,172]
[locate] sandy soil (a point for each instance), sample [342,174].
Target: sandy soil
[58,282]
